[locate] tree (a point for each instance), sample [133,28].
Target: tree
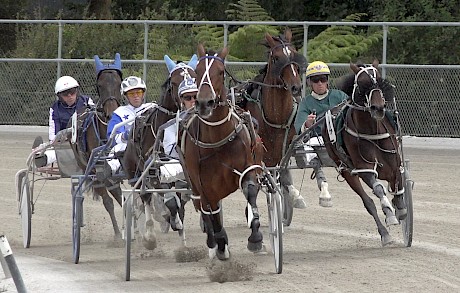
[100,9]
[421,45]
[342,44]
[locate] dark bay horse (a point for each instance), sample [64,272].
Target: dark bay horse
[92,130]
[370,148]
[141,143]
[274,103]
[218,155]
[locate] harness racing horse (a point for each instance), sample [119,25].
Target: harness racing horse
[218,154]
[92,130]
[370,148]
[274,104]
[140,147]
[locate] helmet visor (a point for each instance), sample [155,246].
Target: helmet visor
[68,92]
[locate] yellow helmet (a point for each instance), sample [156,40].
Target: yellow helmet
[317,68]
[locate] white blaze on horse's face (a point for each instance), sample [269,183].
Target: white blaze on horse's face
[372,73]
[204,110]
[287,52]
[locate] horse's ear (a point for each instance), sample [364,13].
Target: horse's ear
[99,65]
[223,53]
[354,68]
[269,40]
[193,61]
[375,63]
[117,62]
[169,63]
[288,34]
[200,50]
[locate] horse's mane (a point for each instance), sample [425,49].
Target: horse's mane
[164,90]
[345,83]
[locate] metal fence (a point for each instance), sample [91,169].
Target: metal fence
[427,96]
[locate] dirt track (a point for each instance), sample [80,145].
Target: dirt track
[325,249]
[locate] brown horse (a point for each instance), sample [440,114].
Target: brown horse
[274,104]
[218,156]
[140,148]
[92,130]
[370,148]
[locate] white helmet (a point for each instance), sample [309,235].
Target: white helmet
[187,86]
[132,82]
[65,83]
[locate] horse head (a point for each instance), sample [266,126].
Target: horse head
[177,73]
[367,92]
[108,85]
[210,72]
[285,64]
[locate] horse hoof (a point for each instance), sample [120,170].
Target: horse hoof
[164,226]
[386,240]
[223,255]
[325,202]
[391,220]
[255,246]
[299,203]
[149,244]
[401,214]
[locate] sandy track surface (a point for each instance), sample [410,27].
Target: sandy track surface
[325,249]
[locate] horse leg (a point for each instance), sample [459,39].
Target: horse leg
[109,207]
[397,189]
[325,199]
[286,183]
[173,203]
[217,239]
[250,190]
[379,190]
[149,238]
[355,184]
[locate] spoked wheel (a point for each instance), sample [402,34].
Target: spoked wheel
[25,209]
[408,223]
[77,222]
[276,229]
[288,206]
[128,208]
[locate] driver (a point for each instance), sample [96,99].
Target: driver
[316,104]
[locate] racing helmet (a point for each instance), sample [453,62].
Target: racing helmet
[317,68]
[187,86]
[132,82]
[65,83]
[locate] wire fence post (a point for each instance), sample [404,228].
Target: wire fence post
[7,255]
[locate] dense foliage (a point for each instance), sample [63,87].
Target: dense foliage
[411,45]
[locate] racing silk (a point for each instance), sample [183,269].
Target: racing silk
[310,103]
[124,113]
[170,136]
[60,114]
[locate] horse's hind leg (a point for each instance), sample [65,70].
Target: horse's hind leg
[398,200]
[355,184]
[173,203]
[286,183]
[325,198]
[109,207]
[250,190]
[149,238]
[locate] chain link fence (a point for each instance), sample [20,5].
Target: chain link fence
[428,98]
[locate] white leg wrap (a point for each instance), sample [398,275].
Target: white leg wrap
[324,190]
[212,252]
[386,203]
[293,192]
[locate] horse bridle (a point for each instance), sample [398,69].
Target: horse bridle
[368,94]
[206,79]
[292,58]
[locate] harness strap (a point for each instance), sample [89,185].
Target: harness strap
[250,168]
[367,136]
